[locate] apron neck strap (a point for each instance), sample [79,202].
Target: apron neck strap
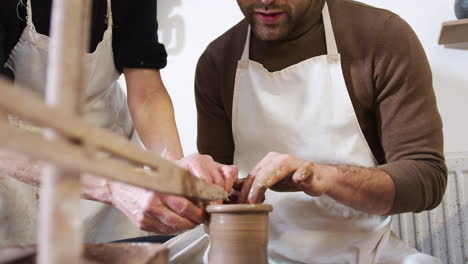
[332,48]
[29,19]
[246,53]
[110,20]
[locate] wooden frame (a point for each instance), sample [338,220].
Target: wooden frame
[86,144]
[71,146]
[60,189]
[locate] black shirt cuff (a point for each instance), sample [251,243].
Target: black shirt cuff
[156,58]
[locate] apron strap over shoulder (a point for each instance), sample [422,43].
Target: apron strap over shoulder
[110,20]
[29,19]
[332,48]
[29,15]
[246,52]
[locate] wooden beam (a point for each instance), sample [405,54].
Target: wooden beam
[60,236]
[168,179]
[101,139]
[72,126]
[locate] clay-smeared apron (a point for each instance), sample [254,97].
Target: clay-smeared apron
[304,110]
[105,106]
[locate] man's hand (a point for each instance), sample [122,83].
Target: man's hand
[154,212]
[168,214]
[369,190]
[284,172]
[204,167]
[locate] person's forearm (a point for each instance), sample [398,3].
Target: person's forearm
[29,172]
[154,122]
[369,190]
[153,113]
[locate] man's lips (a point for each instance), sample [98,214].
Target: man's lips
[268,17]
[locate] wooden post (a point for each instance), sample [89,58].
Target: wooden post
[60,220]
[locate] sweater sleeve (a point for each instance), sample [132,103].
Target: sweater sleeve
[409,124]
[214,126]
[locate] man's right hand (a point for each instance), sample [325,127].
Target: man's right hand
[154,212]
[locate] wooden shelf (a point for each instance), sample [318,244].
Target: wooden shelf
[454,32]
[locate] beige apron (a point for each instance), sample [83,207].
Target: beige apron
[105,106]
[304,110]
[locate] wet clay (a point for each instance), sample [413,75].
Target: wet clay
[238,233]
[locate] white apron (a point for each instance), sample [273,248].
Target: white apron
[105,106]
[304,110]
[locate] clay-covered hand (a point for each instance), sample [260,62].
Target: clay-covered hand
[287,171]
[168,214]
[204,167]
[154,212]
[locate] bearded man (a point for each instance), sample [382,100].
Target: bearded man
[331,103]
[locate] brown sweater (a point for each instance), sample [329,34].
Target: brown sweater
[388,78]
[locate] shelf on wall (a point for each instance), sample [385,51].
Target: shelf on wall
[454,33]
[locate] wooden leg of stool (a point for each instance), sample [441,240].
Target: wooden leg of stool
[60,221]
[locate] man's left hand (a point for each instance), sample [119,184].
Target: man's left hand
[288,170]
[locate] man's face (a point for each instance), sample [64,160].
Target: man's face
[274,19]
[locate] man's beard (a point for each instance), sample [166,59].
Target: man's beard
[270,32]
[279,31]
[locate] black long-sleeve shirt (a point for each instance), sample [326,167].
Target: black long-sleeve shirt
[134,39]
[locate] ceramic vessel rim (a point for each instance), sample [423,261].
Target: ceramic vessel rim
[239,208]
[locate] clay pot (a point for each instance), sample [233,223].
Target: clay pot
[238,233]
[461,9]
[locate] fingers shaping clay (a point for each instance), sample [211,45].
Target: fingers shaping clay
[239,233]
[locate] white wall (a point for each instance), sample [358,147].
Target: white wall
[449,66]
[187,26]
